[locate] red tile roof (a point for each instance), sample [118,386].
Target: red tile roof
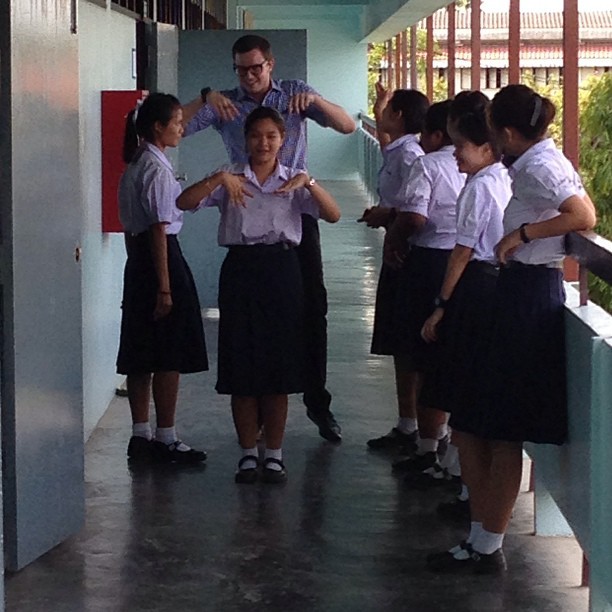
[532,54]
[535,21]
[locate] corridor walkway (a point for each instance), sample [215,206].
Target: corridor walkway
[343,534]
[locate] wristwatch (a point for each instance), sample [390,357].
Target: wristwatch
[311,182]
[204,92]
[440,302]
[523,234]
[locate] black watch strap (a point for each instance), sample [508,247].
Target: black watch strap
[204,92]
[440,302]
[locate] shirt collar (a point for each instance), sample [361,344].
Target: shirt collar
[243,95]
[159,154]
[529,154]
[280,173]
[401,140]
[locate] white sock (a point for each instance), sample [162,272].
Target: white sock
[450,461]
[475,530]
[465,494]
[167,435]
[407,425]
[142,430]
[249,464]
[273,453]
[426,445]
[488,542]
[442,431]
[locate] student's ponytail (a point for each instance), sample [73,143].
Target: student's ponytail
[130,138]
[141,121]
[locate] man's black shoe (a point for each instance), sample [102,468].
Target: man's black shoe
[327,424]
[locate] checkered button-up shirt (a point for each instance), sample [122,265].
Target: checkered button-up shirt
[293,151]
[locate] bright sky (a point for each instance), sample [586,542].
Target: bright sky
[546,5]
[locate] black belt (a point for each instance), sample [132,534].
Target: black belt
[260,248]
[484,266]
[519,265]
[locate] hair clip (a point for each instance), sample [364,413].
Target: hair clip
[536,111]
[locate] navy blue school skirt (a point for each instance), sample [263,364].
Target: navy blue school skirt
[464,335]
[418,284]
[261,326]
[523,384]
[384,336]
[173,343]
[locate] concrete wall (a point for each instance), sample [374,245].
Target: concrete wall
[337,68]
[106,40]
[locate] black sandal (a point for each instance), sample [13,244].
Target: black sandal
[246,475]
[274,476]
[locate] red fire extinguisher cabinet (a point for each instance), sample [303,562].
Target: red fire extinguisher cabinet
[115,107]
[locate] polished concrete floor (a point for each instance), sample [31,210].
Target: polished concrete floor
[343,534]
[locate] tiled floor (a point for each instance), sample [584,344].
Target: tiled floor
[343,534]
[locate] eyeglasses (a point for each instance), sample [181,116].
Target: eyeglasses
[256,69]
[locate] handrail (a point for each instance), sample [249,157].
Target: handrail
[594,254]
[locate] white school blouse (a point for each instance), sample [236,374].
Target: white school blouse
[398,157]
[542,179]
[267,218]
[147,193]
[480,211]
[432,190]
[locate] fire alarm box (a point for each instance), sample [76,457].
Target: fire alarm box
[115,107]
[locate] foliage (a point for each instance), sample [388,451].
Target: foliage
[376,55]
[596,166]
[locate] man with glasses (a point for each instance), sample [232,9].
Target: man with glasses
[296,101]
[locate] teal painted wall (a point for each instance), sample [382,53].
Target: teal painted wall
[337,68]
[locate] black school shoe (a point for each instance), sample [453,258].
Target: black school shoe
[490,565]
[273,476]
[433,477]
[327,424]
[140,449]
[467,560]
[395,439]
[170,453]
[447,562]
[246,475]
[416,463]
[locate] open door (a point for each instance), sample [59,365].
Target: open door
[41,222]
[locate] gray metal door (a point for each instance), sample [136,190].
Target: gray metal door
[205,60]
[41,220]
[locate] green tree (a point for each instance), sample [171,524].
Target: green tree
[377,57]
[596,165]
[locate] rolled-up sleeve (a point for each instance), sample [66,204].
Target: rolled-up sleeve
[544,186]
[473,213]
[159,195]
[311,112]
[204,118]
[416,190]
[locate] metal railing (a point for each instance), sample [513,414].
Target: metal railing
[186,14]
